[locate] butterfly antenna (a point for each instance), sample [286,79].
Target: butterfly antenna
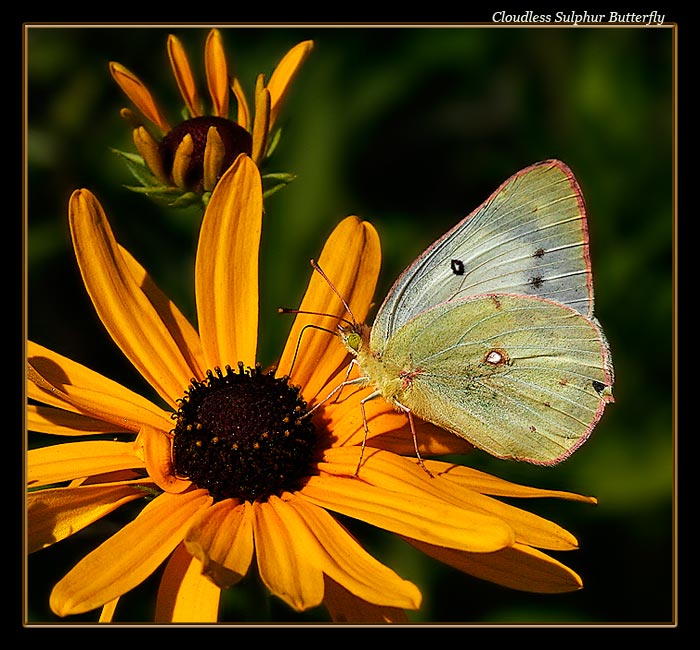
[287,310]
[298,345]
[320,271]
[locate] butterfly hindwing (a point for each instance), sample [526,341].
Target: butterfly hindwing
[518,376]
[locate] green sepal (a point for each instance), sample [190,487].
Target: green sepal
[152,187]
[138,168]
[273,142]
[276,181]
[173,197]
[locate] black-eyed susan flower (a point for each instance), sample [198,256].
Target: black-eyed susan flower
[180,162]
[231,468]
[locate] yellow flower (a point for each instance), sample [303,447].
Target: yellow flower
[181,163]
[230,468]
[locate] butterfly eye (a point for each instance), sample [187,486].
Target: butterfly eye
[496,357]
[354,340]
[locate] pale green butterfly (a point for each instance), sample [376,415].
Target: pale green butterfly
[490,333]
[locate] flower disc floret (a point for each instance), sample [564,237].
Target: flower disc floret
[234,138]
[243,434]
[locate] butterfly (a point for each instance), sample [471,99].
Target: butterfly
[490,333]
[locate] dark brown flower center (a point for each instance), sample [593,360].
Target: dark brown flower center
[242,435]
[235,138]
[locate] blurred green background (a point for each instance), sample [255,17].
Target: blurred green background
[410,128]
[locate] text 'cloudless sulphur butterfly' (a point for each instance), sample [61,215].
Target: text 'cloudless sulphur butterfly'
[490,332]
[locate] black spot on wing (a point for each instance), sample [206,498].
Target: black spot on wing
[457,267]
[598,386]
[536,281]
[539,252]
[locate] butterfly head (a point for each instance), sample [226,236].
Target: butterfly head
[353,336]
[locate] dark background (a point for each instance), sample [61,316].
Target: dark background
[410,128]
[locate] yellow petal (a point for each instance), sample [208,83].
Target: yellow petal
[345,607]
[148,148]
[57,463]
[98,396]
[285,549]
[81,400]
[488,484]
[391,472]
[124,309]
[519,567]
[63,423]
[226,269]
[183,75]
[55,514]
[261,124]
[139,95]
[184,594]
[432,441]
[181,161]
[214,152]
[128,557]
[284,74]
[420,517]
[107,613]
[181,330]
[350,258]
[222,540]
[243,115]
[348,564]
[133,118]
[217,73]
[154,447]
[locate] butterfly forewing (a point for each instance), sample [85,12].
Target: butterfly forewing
[520,377]
[530,238]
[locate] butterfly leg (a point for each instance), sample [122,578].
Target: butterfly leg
[374,395]
[408,412]
[347,382]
